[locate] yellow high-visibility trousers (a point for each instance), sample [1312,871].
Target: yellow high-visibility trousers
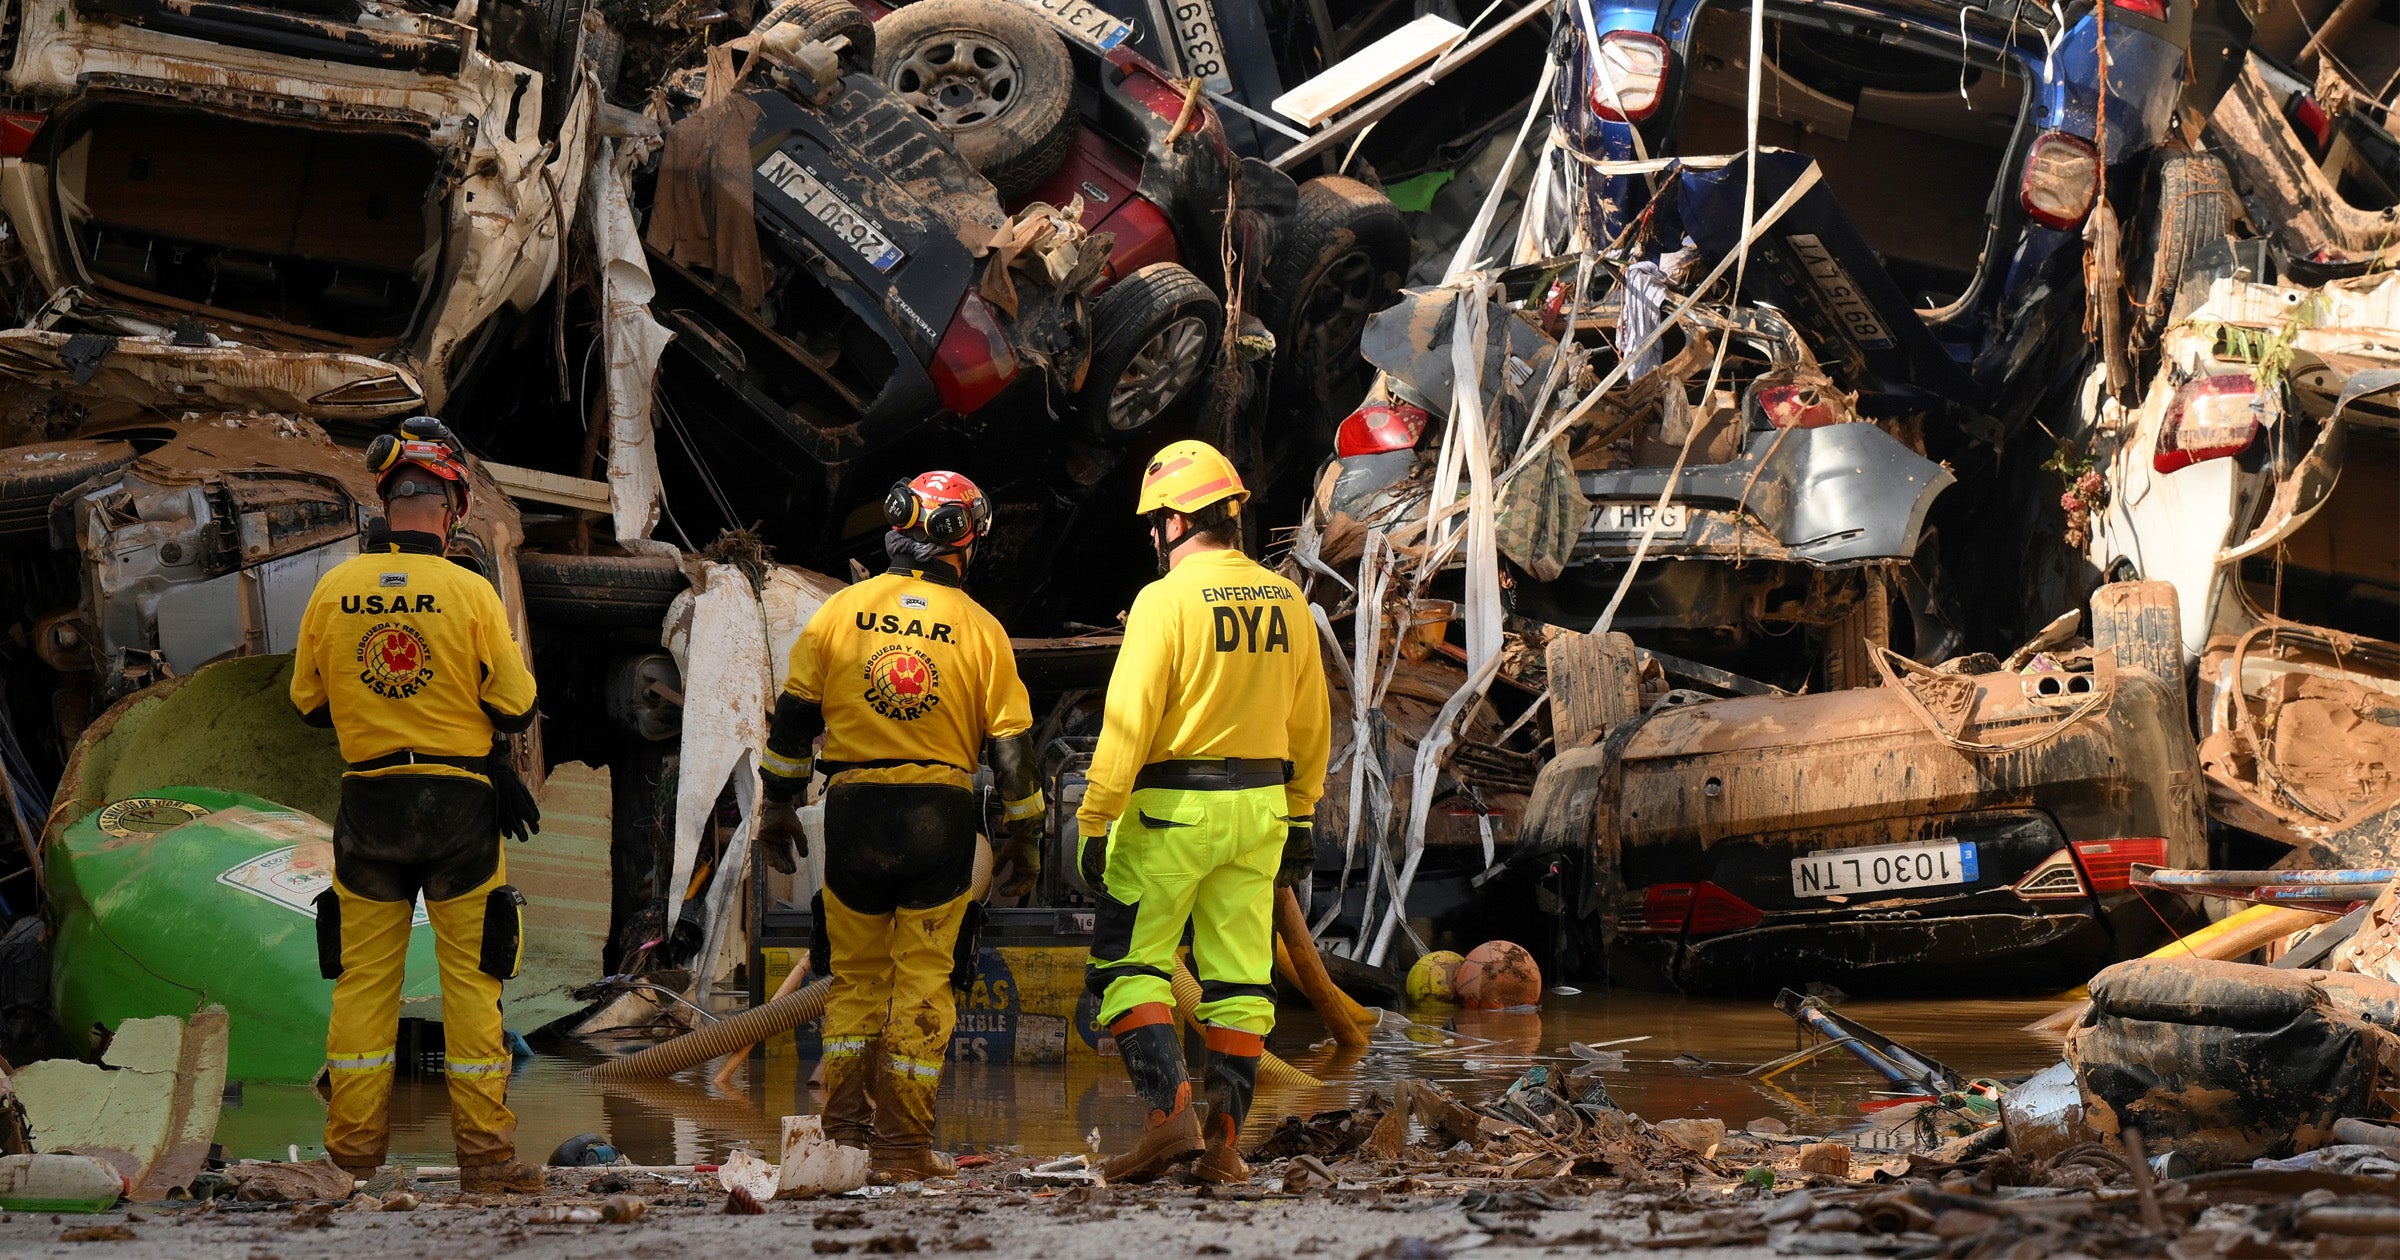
[362,1039]
[891,981]
[1208,858]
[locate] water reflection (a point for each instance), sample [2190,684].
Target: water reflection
[1687,1065]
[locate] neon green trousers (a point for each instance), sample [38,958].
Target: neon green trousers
[1206,858]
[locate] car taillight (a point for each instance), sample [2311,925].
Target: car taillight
[2055,878]
[17,131]
[2062,180]
[1798,407]
[2108,864]
[1701,909]
[2210,417]
[974,361]
[2311,120]
[1380,427]
[1146,85]
[1629,75]
[2156,10]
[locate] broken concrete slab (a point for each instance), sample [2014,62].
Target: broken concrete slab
[149,1110]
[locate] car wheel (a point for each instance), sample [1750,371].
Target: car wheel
[599,591]
[2196,208]
[825,19]
[1339,259]
[1155,333]
[2143,622]
[32,476]
[995,78]
[560,32]
[1595,683]
[1848,654]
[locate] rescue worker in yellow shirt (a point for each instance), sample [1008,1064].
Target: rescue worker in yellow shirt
[1199,802]
[409,658]
[907,677]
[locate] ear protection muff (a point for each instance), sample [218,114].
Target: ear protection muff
[947,523]
[382,453]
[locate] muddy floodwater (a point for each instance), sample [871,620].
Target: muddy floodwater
[1690,1064]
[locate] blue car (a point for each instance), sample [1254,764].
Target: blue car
[1962,146]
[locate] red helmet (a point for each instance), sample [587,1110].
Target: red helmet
[939,507]
[425,443]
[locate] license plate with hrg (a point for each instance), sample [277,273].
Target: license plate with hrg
[1884,868]
[849,224]
[1633,518]
[1083,20]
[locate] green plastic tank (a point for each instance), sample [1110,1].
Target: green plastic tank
[184,896]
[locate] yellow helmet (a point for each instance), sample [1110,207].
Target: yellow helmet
[1188,476]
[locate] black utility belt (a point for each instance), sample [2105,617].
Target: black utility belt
[832,768]
[411,757]
[1214,774]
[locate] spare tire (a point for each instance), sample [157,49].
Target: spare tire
[825,19]
[996,79]
[599,591]
[32,476]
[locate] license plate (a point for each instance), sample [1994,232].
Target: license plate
[1085,21]
[1193,23]
[1884,867]
[1633,518]
[848,223]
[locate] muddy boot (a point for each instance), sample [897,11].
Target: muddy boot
[905,1093]
[1232,1082]
[1154,1059]
[506,1177]
[849,1112]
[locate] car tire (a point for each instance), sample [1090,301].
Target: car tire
[992,76]
[825,19]
[2143,623]
[32,476]
[2196,208]
[1155,332]
[1338,259]
[599,591]
[1850,644]
[559,28]
[1595,684]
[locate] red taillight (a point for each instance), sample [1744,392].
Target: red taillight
[2210,417]
[2062,180]
[974,361]
[1380,427]
[2155,10]
[1701,909]
[1147,85]
[17,132]
[2108,864]
[2311,118]
[1798,407]
[1629,76]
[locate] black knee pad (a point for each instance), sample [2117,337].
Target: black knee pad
[503,933]
[329,934]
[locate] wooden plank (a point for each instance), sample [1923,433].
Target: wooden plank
[1399,94]
[549,487]
[1363,73]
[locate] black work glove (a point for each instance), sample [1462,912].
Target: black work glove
[1094,862]
[780,839]
[1299,854]
[513,806]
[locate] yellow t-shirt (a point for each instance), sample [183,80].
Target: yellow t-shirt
[907,667]
[409,651]
[1220,660]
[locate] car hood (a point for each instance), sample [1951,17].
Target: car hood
[158,373]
